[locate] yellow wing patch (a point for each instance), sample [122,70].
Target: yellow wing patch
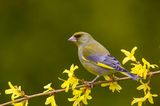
[125,74]
[105,66]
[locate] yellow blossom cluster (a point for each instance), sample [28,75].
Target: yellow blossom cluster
[113,85]
[139,69]
[16,93]
[81,96]
[72,80]
[51,99]
[147,94]
[142,70]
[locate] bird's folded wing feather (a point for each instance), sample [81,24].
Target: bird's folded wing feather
[106,61]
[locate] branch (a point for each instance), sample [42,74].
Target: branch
[27,97]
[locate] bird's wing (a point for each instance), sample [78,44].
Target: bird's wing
[111,63]
[105,61]
[97,54]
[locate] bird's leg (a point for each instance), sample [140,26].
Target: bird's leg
[91,82]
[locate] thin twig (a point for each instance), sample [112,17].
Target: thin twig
[27,97]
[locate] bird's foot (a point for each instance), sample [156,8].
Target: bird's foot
[89,83]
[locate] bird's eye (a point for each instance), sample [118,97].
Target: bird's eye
[78,36]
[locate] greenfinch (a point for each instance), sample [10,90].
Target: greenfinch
[95,58]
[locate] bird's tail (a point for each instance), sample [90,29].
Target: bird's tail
[134,77]
[127,73]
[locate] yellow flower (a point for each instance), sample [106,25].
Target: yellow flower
[138,100]
[86,96]
[48,87]
[77,97]
[72,81]
[50,99]
[139,70]
[142,70]
[112,85]
[145,87]
[81,96]
[71,71]
[16,93]
[129,55]
[150,96]
[147,94]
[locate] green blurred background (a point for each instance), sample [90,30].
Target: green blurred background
[34,49]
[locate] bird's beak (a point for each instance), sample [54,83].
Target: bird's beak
[72,39]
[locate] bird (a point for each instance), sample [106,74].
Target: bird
[95,58]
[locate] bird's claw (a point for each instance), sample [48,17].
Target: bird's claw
[89,84]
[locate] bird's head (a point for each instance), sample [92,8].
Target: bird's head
[80,38]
